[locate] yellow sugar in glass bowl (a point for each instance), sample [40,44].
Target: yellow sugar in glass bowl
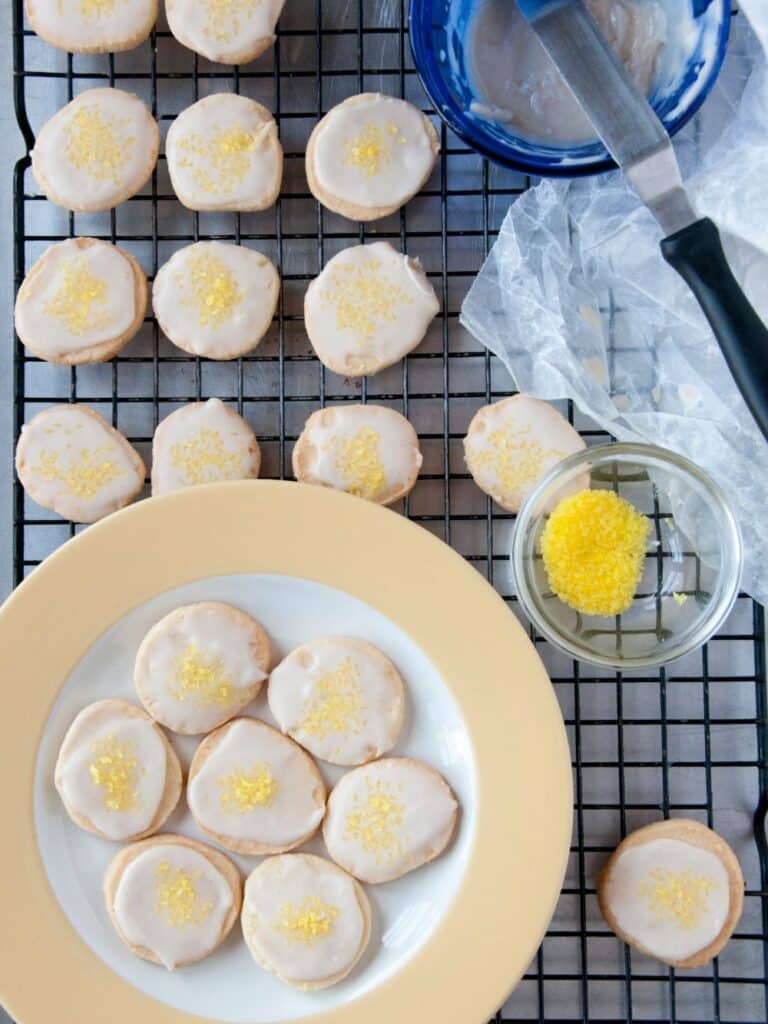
[641,568]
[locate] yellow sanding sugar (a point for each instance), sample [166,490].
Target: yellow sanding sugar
[593,547]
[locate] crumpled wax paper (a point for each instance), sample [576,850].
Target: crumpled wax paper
[577,301]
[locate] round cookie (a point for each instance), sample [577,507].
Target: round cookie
[70,460]
[200,665]
[81,302]
[253,790]
[674,890]
[116,772]
[224,154]
[369,155]
[92,26]
[389,817]
[234,32]
[341,699]
[172,900]
[203,443]
[215,299]
[366,450]
[97,151]
[305,920]
[369,308]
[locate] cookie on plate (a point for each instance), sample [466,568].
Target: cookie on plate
[369,155]
[253,790]
[92,26]
[81,302]
[70,460]
[200,665]
[97,151]
[369,307]
[305,920]
[341,699]
[366,450]
[215,299]
[233,32]
[116,772]
[224,154]
[674,890]
[172,900]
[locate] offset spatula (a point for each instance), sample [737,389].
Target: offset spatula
[638,142]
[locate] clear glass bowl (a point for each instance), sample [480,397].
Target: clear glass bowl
[692,564]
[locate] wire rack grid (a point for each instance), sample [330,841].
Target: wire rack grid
[689,740]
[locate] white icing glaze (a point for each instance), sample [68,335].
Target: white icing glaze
[203,443]
[369,307]
[145,921]
[215,299]
[373,151]
[340,699]
[90,25]
[230,32]
[386,818]
[223,153]
[293,807]
[670,896]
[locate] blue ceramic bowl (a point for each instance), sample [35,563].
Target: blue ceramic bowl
[687,72]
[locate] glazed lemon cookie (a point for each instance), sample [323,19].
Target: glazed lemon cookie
[172,900]
[511,444]
[369,155]
[230,32]
[305,920]
[389,817]
[81,302]
[341,699]
[200,665]
[97,151]
[216,300]
[254,790]
[224,154]
[92,26]
[367,450]
[70,460]
[369,307]
[203,443]
[673,890]
[116,772]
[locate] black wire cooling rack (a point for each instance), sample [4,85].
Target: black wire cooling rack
[688,740]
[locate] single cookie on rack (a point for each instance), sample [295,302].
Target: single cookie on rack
[215,299]
[369,307]
[203,443]
[116,772]
[92,26]
[81,302]
[366,450]
[673,890]
[70,460]
[224,154]
[200,665]
[305,920]
[230,32]
[369,155]
[172,900]
[97,151]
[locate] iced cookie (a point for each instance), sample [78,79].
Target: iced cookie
[389,817]
[369,155]
[200,665]
[227,31]
[92,26]
[512,444]
[81,302]
[253,790]
[116,772]
[70,460]
[305,920]
[341,699]
[224,154]
[216,300]
[203,443]
[369,307]
[97,151]
[673,890]
[367,450]
[172,900]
